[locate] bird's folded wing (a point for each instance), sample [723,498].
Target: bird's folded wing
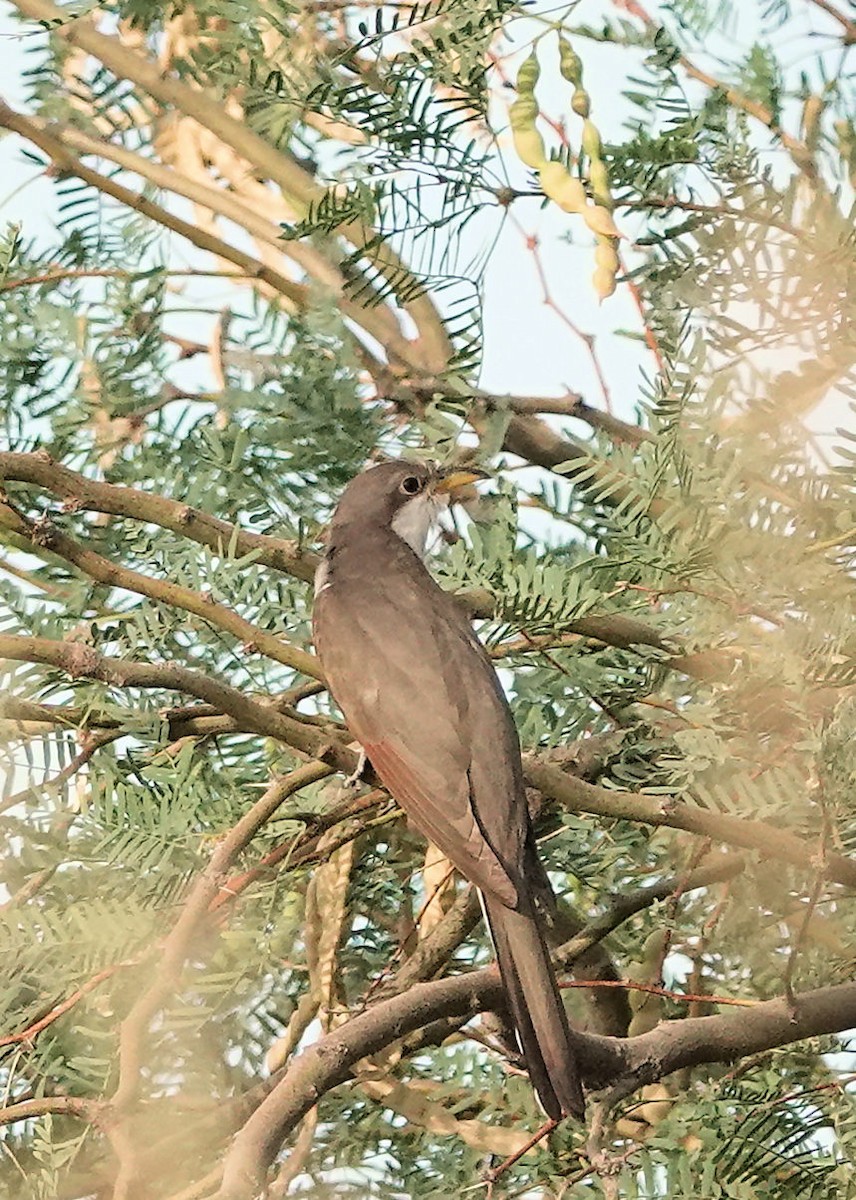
[425,704]
[444,815]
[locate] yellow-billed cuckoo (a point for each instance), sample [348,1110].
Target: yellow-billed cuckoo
[420,694]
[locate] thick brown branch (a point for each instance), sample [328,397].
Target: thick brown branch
[606,1061]
[414,1006]
[82,662]
[329,1061]
[110,574]
[196,720]
[81,492]
[578,796]
[675,1045]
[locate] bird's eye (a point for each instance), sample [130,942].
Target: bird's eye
[411,485]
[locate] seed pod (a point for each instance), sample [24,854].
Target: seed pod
[580,102]
[603,282]
[811,114]
[597,216]
[562,188]
[599,220]
[605,254]
[528,74]
[591,140]
[528,143]
[599,179]
[606,267]
[570,63]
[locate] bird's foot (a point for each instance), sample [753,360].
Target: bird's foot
[357,774]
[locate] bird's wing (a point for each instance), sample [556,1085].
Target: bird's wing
[421,696]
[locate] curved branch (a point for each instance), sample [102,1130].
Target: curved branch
[606,1062]
[676,1045]
[378,319]
[578,796]
[43,533]
[174,952]
[65,161]
[329,1061]
[79,491]
[414,1006]
[82,662]
[432,350]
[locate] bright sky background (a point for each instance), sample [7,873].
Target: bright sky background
[528,349]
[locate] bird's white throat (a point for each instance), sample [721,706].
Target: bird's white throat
[414,520]
[412,523]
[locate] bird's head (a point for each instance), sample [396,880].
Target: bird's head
[404,496]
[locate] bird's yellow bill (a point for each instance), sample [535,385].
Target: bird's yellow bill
[458,478]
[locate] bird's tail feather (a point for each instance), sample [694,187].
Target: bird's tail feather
[536,1008]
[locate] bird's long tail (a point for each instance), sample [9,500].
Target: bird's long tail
[536,1008]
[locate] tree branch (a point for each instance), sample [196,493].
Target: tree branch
[574,794]
[43,533]
[848,37]
[622,908]
[578,796]
[65,161]
[377,319]
[75,1106]
[82,662]
[607,1062]
[799,152]
[179,941]
[78,491]
[676,1045]
[431,351]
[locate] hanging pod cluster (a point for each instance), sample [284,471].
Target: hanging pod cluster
[555,179]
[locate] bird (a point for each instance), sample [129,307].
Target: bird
[420,694]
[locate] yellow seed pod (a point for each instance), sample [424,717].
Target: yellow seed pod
[580,102]
[562,188]
[523,112]
[570,63]
[529,146]
[603,282]
[528,143]
[591,140]
[599,180]
[599,220]
[605,254]
[528,74]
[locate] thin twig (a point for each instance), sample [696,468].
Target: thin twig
[177,945]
